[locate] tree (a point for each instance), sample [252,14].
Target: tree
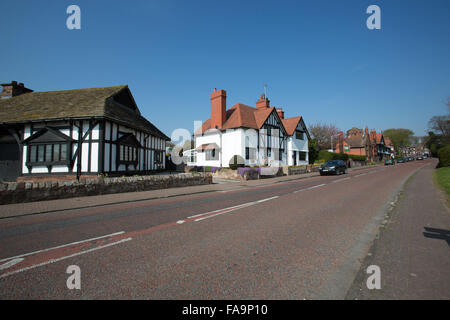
[313,151]
[324,133]
[440,125]
[401,138]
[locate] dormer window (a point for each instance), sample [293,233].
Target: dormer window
[48,147]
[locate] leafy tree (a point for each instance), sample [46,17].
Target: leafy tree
[401,138]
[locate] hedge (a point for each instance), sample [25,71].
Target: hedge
[444,156]
[357,158]
[327,156]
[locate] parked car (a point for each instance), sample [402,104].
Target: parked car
[411,159]
[419,158]
[389,162]
[333,167]
[401,160]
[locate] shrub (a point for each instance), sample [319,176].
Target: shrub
[236,161]
[444,156]
[327,156]
[357,158]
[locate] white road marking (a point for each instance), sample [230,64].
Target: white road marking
[299,190]
[64,258]
[62,246]
[11,263]
[320,185]
[341,180]
[180,221]
[230,209]
[360,175]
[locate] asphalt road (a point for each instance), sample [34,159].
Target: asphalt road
[301,239]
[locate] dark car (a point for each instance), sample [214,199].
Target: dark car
[389,162]
[333,167]
[401,160]
[411,159]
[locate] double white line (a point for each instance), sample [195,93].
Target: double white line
[206,215]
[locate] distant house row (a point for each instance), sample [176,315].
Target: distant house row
[374,146]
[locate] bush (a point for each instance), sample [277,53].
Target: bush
[357,158]
[327,156]
[236,161]
[444,156]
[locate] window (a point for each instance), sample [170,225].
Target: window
[302,156]
[47,154]
[128,149]
[299,135]
[211,154]
[250,153]
[280,154]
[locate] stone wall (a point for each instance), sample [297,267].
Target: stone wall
[23,191]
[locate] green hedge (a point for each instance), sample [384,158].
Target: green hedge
[357,158]
[327,156]
[444,156]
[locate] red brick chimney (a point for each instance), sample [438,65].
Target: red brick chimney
[218,108]
[13,89]
[280,113]
[263,102]
[340,142]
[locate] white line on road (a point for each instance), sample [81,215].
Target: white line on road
[63,258]
[62,246]
[11,263]
[320,185]
[230,209]
[360,175]
[341,180]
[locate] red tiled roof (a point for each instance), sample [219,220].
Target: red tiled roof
[290,124]
[388,142]
[241,115]
[378,137]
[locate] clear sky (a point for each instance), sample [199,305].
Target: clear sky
[318,58]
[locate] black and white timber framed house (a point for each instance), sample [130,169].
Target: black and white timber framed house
[75,133]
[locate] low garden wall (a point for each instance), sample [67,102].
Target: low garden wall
[16,192]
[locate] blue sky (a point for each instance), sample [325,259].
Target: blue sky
[317,57]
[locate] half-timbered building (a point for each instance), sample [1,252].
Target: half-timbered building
[260,136]
[78,132]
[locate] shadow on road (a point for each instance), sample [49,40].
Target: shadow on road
[434,233]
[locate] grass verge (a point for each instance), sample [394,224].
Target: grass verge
[442,179]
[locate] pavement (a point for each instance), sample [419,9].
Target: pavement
[286,239]
[219,184]
[412,248]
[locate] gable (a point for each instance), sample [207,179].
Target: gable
[129,139]
[48,135]
[274,120]
[125,98]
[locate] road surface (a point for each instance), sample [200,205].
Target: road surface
[301,239]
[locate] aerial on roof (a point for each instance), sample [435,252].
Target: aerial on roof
[114,103]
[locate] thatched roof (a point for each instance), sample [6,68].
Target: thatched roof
[75,104]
